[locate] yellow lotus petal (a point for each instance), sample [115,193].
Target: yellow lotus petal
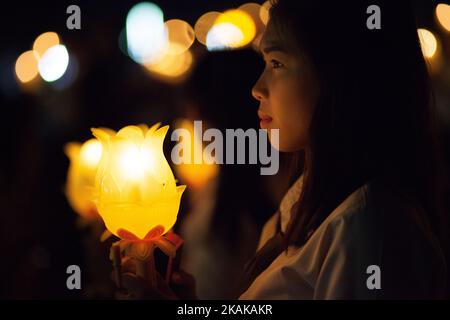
[157,137]
[110,194]
[131,132]
[154,189]
[143,127]
[102,134]
[109,131]
[72,149]
[153,128]
[152,148]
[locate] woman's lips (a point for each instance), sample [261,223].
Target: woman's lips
[264,119]
[264,123]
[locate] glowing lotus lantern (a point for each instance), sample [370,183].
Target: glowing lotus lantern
[135,190]
[84,159]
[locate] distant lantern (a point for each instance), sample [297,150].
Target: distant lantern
[84,159]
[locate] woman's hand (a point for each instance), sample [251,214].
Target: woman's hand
[181,286]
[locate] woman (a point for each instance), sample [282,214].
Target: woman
[363,219]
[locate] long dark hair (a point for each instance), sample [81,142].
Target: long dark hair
[374,117]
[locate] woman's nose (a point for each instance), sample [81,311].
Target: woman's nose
[259,90]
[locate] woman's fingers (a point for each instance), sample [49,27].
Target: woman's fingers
[122,295]
[183,285]
[128,265]
[139,288]
[135,286]
[181,277]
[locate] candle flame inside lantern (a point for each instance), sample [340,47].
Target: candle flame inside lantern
[91,153]
[135,190]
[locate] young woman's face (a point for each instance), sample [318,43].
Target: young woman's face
[286,91]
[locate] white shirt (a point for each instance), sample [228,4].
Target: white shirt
[359,233]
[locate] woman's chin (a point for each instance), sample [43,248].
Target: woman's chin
[284,146]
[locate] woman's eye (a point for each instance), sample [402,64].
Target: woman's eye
[275,64]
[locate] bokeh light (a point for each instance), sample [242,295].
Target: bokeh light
[27,66]
[145,32]
[194,175]
[181,36]
[253,10]
[172,66]
[232,29]
[264,12]
[428,42]
[443,15]
[243,21]
[53,64]
[204,24]
[45,41]
[223,36]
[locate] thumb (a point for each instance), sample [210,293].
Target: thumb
[181,277]
[134,285]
